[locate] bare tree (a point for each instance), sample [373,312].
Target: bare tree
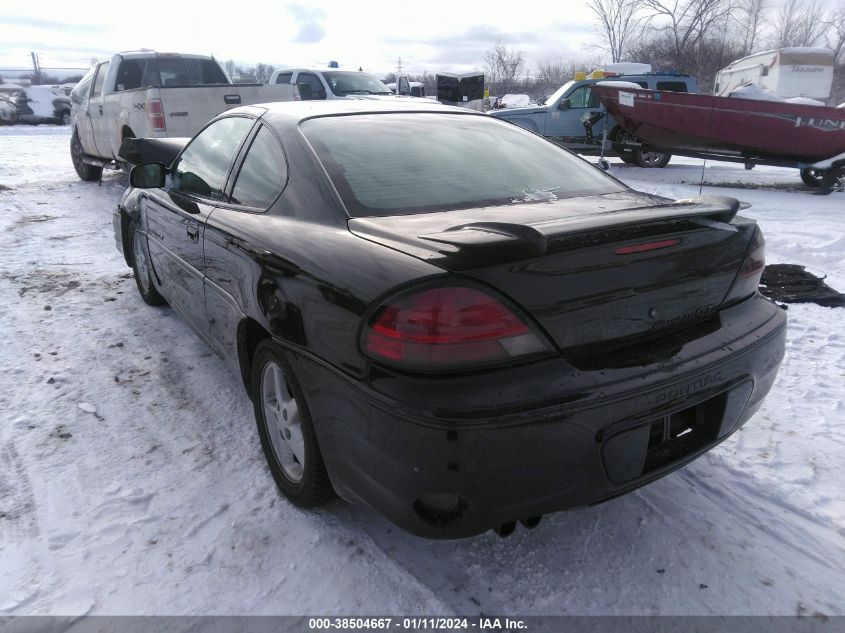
[836,42]
[800,23]
[229,66]
[504,67]
[245,75]
[263,72]
[687,22]
[749,17]
[619,21]
[555,71]
[836,33]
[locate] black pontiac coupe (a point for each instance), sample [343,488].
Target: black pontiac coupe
[446,317]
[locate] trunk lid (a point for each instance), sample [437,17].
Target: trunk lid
[188,108]
[620,266]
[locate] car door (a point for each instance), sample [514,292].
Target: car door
[563,124]
[176,214]
[231,270]
[95,116]
[310,87]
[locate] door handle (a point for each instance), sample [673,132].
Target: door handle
[194,232]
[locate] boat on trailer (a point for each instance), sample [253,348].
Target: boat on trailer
[808,137]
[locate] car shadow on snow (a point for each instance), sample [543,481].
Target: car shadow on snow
[691,543]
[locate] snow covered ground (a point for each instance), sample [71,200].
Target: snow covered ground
[131,478]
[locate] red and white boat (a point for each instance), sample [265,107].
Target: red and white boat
[752,131]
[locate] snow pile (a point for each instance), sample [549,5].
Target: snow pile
[757,93]
[41,99]
[620,84]
[805,101]
[516,101]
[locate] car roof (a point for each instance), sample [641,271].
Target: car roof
[146,53]
[305,69]
[295,111]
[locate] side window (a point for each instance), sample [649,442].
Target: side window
[642,84]
[672,86]
[284,78]
[80,91]
[202,167]
[129,75]
[580,97]
[263,173]
[100,79]
[310,88]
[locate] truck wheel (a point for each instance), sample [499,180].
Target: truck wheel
[812,177]
[77,154]
[624,137]
[652,159]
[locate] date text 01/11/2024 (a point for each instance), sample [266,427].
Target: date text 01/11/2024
[418,624]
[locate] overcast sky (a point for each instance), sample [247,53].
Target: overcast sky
[428,34]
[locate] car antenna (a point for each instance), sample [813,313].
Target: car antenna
[706,147]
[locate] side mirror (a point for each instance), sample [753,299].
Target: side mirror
[147,176]
[563,105]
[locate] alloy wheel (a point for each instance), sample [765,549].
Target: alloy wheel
[283,420]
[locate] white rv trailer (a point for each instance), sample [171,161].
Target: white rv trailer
[787,72]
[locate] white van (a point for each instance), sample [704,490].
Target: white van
[787,72]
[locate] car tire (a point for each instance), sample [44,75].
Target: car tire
[812,177]
[142,268]
[65,119]
[83,170]
[651,160]
[286,430]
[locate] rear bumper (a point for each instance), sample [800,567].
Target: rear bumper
[525,441]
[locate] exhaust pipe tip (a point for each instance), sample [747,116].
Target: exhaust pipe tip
[531,522]
[505,529]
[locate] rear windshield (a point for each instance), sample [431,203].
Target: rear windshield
[391,164]
[344,82]
[168,71]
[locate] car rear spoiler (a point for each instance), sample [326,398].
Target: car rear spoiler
[137,151]
[713,209]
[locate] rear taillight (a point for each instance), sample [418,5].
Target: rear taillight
[449,327]
[156,115]
[748,278]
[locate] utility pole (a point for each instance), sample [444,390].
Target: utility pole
[36,66]
[399,66]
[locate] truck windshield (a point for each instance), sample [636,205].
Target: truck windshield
[343,82]
[404,163]
[557,94]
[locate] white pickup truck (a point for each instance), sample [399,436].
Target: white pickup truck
[144,94]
